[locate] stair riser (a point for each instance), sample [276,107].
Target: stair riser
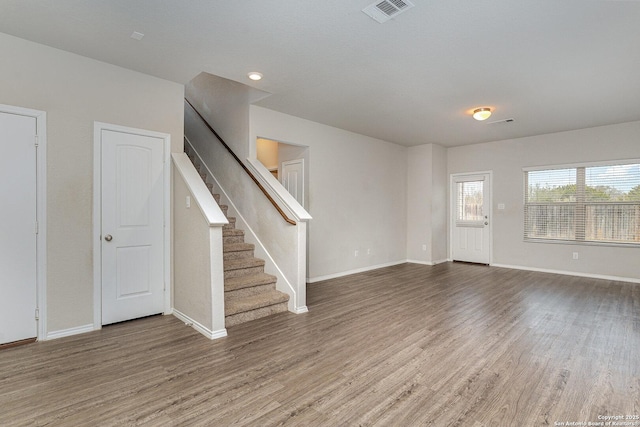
[238,255]
[255,314]
[229,226]
[254,290]
[243,272]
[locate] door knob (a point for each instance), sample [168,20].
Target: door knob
[108,237]
[485,223]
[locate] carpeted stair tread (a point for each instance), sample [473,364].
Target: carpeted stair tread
[254,302]
[237,250]
[232,232]
[237,247]
[250,293]
[247,316]
[241,282]
[242,263]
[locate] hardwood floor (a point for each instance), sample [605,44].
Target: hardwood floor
[410,345]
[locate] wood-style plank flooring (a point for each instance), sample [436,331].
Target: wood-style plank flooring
[410,345]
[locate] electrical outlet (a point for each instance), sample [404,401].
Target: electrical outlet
[424,247]
[356,253]
[368,251]
[575,255]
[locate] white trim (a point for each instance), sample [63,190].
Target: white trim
[357,270]
[212,335]
[452,207]
[300,310]
[71,331]
[415,261]
[260,249]
[620,162]
[98,127]
[277,190]
[201,195]
[41,212]
[436,262]
[569,273]
[514,267]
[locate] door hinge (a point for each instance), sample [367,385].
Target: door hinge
[37,140]
[37,229]
[37,314]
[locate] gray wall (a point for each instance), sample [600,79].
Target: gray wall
[507,159]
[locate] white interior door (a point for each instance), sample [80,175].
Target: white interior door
[471,225]
[132,219]
[293,179]
[18,262]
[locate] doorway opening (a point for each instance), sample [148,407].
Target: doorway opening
[288,163]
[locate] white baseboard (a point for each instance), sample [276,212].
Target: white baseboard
[357,270]
[569,273]
[436,262]
[415,261]
[515,267]
[69,332]
[212,335]
[301,310]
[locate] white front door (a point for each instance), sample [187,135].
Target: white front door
[471,222]
[132,225]
[293,179]
[18,262]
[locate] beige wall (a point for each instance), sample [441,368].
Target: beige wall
[357,193]
[267,153]
[225,105]
[427,203]
[192,294]
[507,159]
[75,91]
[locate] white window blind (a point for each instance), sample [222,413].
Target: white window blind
[591,203]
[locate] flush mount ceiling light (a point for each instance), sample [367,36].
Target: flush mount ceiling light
[254,75]
[482,113]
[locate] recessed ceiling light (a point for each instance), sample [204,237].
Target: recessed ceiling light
[136,35]
[254,75]
[482,113]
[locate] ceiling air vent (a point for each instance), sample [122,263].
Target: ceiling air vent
[510,120]
[382,11]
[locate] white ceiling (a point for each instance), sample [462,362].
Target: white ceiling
[551,65]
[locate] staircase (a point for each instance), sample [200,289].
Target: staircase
[249,293]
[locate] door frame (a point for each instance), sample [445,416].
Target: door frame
[452,208]
[98,127]
[41,212]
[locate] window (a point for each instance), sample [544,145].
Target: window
[469,206]
[591,203]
